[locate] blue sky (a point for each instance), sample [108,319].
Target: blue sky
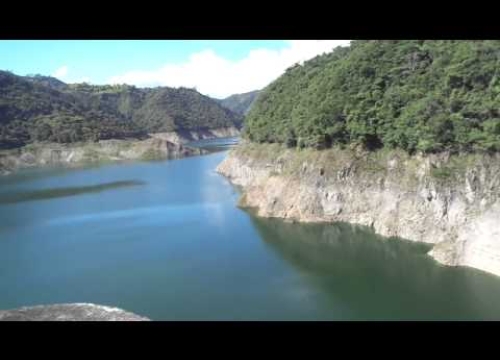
[216,68]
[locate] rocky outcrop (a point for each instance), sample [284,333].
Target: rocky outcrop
[69,312]
[52,154]
[186,136]
[452,202]
[168,145]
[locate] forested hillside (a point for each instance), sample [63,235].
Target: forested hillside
[425,96]
[39,108]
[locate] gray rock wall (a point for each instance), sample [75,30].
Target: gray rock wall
[416,198]
[69,312]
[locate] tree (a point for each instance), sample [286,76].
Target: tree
[415,95]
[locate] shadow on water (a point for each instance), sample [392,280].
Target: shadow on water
[48,171]
[9,198]
[380,278]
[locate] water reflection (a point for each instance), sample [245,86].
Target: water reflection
[381,278]
[180,248]
[215,145]
[33,195]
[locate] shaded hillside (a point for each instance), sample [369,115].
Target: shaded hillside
[240,103]
[47,81]
[416,95]
[167,109]
[45,109]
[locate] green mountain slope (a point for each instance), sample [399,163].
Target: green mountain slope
[240,103]
[45,109]
[415,95]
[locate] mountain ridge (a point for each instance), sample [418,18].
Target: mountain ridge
[240,103]
[417,95]
[40,108]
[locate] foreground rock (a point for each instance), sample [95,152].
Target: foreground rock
[452,202]
[69,312]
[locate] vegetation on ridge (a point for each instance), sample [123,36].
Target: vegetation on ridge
[428,96]
[39,108]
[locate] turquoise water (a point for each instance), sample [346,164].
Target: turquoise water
[165,240]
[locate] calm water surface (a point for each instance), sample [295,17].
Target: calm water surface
[166,240]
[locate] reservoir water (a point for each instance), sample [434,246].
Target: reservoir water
[166,240]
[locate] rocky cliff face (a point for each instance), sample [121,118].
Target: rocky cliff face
[450,201]
[185,136]
[51,154]
[69,312]
[157,146]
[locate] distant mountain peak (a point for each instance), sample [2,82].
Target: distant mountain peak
[240,103]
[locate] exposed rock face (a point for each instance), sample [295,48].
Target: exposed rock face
[416,198]
[69,312]
[103,151]
[3,171]
[185,136]
[169,145]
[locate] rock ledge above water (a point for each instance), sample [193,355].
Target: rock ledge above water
[69,312]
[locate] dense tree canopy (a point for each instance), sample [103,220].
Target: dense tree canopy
[416,95]
[38,108]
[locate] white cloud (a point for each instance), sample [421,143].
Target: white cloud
[216,76]
[61,72]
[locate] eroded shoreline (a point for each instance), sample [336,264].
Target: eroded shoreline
[450,202]
[156,146]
